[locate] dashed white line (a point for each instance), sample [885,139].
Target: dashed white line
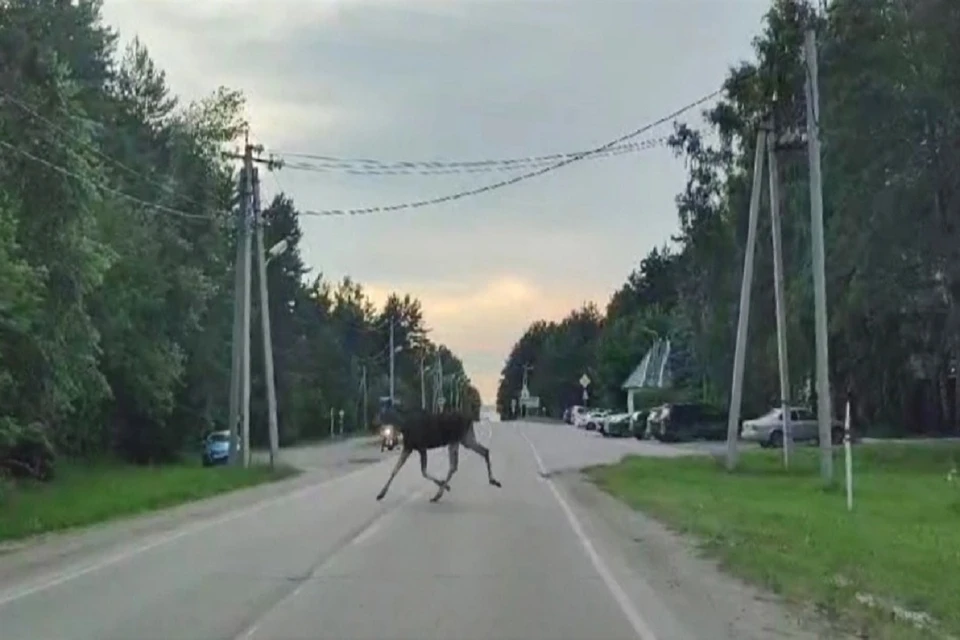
[640,627]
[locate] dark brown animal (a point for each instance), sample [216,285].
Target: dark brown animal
[423,431]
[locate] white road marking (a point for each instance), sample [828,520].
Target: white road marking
[640,627]
[67,576]
[363,536]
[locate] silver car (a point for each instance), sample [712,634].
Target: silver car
[767,430]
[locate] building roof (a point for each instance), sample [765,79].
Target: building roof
[654,371]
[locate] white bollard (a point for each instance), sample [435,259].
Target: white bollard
[848,455]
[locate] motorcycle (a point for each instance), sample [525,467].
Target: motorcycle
[389,438]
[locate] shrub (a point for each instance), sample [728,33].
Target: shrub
[26,451]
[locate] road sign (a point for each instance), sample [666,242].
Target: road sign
[531,402]
[584,381]
[524,394]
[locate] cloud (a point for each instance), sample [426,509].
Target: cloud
[471,80]
[477,321]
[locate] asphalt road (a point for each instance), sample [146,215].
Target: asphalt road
[544,557]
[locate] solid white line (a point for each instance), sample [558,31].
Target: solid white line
[640,627]
[17,594]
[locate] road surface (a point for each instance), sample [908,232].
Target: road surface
[545,557]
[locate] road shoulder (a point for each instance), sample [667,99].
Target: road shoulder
[682,593]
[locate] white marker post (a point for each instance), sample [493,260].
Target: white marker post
[848,454]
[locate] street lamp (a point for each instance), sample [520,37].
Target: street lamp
[265,257]
[277,250]
[424,370]
[394,350]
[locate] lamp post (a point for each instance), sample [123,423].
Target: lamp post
[265,258]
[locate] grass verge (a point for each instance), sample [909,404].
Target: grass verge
[786,532]
[84,494]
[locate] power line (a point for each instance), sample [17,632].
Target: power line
[103,187]
[366,166]
[516,179]
[92,147]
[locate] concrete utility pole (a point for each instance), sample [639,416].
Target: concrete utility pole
[392,354]
[363,391]
[239,415]
[423,385]
[440,399]
[824,413]
[273,429]
[236,380]
[739,354]
[780,303]
[245,318]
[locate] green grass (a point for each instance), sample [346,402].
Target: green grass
[787,532]
[84,494]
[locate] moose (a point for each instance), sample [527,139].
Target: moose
[423,431]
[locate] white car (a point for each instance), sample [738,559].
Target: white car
[581,418]
[652,418]
[604,421]
[592,419]
[575,412]
[767,430]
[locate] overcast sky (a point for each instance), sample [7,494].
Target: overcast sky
[413,80]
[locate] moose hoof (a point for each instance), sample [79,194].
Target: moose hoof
[380,495]
[436,497]
[495,483]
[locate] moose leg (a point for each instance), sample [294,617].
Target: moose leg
[470,442]
[453,451]
[393,474]
[426,474]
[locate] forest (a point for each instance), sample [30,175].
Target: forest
[117,245]
[889,121]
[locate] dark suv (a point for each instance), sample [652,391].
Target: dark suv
[689,421]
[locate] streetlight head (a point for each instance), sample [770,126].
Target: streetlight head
[278,248]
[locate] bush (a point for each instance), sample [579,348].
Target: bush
[26,452]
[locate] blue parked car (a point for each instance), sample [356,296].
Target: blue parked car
[216,448]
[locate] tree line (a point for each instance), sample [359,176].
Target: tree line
[117,243]
[890,121]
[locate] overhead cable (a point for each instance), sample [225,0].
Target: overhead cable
[369,167]
[102,187]
[515,179]
[34,113]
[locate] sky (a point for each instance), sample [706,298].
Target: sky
[463,80]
